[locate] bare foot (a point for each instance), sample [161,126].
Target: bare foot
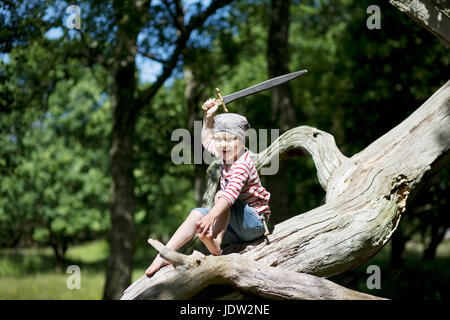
[157,264]
[211,244]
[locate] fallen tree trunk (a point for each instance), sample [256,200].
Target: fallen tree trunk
[365,198]
[193,273]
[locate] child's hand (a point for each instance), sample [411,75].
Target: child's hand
[212,106]
[204,225]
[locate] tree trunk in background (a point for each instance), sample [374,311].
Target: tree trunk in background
[192,97]
[398,242]
[121,238]
[122,206]
[437,235]
[439,224]
[126,101]
[283,112]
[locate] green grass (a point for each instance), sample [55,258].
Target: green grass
[51,286]
[33,273]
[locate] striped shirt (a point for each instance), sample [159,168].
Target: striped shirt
[241,181]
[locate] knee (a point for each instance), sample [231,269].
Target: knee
[195,214]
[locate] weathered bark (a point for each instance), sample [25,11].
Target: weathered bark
[233,269]
[433,15]
[365,196]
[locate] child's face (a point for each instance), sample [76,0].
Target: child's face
[228,146]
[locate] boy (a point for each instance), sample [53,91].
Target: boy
[242,202]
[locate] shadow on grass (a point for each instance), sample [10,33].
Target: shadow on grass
[18,263]
[90,256]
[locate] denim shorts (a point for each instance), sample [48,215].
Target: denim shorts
[245,224]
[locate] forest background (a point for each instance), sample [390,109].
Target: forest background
[87,117]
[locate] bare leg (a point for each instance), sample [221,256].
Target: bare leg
[184,233]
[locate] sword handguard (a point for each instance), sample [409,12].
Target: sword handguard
[221,102]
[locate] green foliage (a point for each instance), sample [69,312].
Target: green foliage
[388,73]
[54,183]
[55,113]
[164,191]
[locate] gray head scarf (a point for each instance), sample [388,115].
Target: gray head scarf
[232,123]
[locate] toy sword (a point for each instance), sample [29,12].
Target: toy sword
[268,84]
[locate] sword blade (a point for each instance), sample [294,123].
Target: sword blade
[268,84]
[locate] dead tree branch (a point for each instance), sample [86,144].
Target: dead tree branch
[193,273]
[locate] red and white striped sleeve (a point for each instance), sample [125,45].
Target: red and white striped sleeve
[210,145]
[238,178]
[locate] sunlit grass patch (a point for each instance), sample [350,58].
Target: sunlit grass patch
[51,286]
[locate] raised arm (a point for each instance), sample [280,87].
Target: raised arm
[208,120]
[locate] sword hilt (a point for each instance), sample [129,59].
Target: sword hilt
[221,102]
